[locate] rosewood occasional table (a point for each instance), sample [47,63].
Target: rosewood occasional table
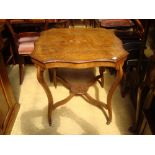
[79,48]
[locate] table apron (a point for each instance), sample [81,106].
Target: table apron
[79,65]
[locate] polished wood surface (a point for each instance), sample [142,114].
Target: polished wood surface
[79,48]
[8,104]
[78,45]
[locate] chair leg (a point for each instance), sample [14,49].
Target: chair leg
[52,76]
[123,86]
[21,69]
[101,70]
[13,57]
[21,73]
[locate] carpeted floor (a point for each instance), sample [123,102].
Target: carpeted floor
[75,117]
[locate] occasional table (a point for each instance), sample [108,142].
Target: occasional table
[79,48]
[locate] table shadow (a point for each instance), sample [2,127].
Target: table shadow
[31,127]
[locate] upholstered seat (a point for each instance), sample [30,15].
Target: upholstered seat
[26,48]
[26,44]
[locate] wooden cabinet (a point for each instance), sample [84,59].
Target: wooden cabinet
[8,105]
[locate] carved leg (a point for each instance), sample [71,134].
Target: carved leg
[111,91]
[59,103]
[41,80]
[96,103]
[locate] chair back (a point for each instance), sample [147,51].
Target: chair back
[14,36]
[139,28]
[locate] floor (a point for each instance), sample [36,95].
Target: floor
[76,117]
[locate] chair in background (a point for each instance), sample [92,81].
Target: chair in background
[56,23]
[118,25]
[126,29]
[8,55]
[145,108]
[27,25]
[147,104]
[135,43]
[115,23]
[81,22]
[133,35]
[23,45]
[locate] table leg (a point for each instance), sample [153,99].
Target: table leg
[40,77]
[119,76]
[101,70]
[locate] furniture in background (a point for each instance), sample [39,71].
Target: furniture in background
[81,22]
[23,45]
[8,104]
[133,34]
[7,52]
[114,23]
[56,23]
[37,25]
[27,25]
[79,48]
[24,32]
[145,123]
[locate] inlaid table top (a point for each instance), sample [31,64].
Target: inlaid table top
[78,45]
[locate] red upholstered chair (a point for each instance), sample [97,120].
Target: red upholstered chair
[116,23]
[124,28]
[23,45]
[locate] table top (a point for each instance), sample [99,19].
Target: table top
[78,45]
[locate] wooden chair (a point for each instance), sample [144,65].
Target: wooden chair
[23,45]
[134,42]
[133,35]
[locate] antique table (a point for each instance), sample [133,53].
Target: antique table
[79,48]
